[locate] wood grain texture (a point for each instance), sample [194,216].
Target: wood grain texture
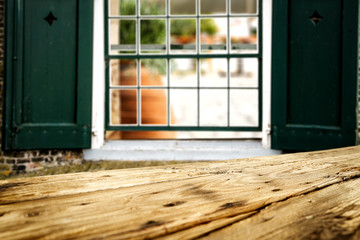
[254,198]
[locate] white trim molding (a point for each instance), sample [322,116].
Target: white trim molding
[98,83]
[267,41]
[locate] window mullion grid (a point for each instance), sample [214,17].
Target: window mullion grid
[228,42]
[168,75]
[184,16]
[138,65]
[197,56]
[260,62]
[185,88]
[107,66]
[198,47]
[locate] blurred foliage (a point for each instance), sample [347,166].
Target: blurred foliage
[187,27]
[127,7]
[208,26]
[151,31]
[154,31]
[183,27]
[151,7]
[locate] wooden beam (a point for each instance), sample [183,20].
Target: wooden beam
[190,200]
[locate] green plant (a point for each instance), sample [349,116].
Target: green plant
[187,27]
[183,27]
[151,31]
[208,26]
[154,31]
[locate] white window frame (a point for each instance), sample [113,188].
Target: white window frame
[98,81]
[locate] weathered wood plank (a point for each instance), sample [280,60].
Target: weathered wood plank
[331,213]
[157,202]
[58,185]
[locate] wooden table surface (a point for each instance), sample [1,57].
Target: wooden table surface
[313,195]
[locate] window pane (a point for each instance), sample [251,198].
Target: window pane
[114,7]
[213,72]
[183,35]
[153,72]
[213,6]
[213,35]
[244,6]
[183,72]
[152,7]
[127,7]
[153,106]
[244,107]
[153,36]
[183,104]
[123,107]
[123,72]
[244,35]
[244,72]
[182,7]
[122,36]
[213,107]
[122,7]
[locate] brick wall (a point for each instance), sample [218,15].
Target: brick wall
[22,161]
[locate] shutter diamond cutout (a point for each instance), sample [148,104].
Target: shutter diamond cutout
[316,18]
[50,18]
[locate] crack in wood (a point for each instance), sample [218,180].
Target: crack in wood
[232,205]
[150,224]
[260,209]
[7,186]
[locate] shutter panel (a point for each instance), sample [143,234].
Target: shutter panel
[314,74]
[48,74]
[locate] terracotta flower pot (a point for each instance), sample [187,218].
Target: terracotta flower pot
[153,106]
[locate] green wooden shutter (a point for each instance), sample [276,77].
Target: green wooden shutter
[48,74]
[314,74]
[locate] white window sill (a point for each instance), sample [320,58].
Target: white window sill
[178,150]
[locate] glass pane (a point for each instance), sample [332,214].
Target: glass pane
[213,7]
[122,36]
[153,36]
[244,6]
[213,35]
[183,72]
[153,106]
[122,7]
[114,7]
[183,35]
[213,72]
[244,72]
[153,72]
[123,72]
[123,107]
[183,104]
[127,7]
[244,107]
[213,107]
[244,35]
[182,7]
[152,7]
